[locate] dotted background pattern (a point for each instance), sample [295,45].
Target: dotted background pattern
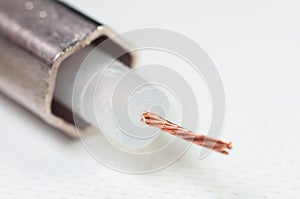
[37,161]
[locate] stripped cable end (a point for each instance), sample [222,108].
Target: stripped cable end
[154,120]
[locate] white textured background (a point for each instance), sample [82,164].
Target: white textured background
[256,47]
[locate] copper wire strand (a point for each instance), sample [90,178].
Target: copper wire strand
[155,120]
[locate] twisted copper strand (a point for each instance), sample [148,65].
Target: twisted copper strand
[155,120]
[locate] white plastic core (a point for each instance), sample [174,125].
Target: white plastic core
[111,98]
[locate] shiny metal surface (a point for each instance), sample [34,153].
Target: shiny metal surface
[35,37]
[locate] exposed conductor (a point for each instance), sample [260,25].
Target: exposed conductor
[155,120]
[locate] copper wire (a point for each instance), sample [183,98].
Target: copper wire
[155,120]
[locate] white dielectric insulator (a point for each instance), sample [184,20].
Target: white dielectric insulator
[110,96]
